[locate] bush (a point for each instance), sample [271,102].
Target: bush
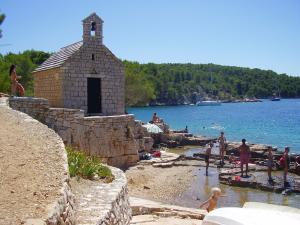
[88,167]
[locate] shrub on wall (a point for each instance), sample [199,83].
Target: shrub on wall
[87,167]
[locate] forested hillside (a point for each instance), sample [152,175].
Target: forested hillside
[186,83]
[171,84]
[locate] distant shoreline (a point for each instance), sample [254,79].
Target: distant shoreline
[222,101]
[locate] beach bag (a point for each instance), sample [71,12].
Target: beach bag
[156,154]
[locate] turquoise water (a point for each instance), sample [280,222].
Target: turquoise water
[267,122]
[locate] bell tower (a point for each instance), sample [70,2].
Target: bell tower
[92,29]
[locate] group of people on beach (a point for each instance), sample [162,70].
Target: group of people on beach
[244,159]
[243,149]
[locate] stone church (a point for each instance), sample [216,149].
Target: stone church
[85,75]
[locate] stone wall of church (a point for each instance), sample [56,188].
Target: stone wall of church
[94,61]
[48,85]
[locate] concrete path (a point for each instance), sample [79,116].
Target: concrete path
[156,220]
[146,212]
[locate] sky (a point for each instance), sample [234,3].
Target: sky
[257,34]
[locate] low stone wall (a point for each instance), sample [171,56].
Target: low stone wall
[34,107]
[62,211]
[101,203]
[115,139]
[110,137]
[62,121]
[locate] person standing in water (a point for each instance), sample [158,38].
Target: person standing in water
[16,87]
[270,163]
[244,157]
[222,146]
[286,165]
[211,203]
[207,156]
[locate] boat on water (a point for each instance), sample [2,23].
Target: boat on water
[208,103]
[275,99]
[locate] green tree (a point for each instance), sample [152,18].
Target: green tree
[139,91]
[2,17]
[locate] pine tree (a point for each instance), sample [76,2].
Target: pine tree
[2,17]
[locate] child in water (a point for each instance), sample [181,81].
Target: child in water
[212,202]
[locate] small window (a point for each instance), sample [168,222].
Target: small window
[93,28]
[93,57]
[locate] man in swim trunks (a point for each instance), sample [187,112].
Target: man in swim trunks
[222,145]
[244,157]
[286,167]
[207,156]
[270,163]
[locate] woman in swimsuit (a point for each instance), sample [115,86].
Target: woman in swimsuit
[16,87]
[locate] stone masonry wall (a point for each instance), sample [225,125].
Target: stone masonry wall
[115,139]
[48,84]
[110,137]
[105,66]
[62,120]
[94,60]
[34,107]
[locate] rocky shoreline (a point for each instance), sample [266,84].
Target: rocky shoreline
[174,139]
[187,102]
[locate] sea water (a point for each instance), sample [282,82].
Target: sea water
[267,122]
[200,190]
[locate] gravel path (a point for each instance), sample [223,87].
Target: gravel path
[31,167]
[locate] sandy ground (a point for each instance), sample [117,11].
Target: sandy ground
[161,184]
[31,167]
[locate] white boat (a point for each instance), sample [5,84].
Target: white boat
[275,99]
[208,103]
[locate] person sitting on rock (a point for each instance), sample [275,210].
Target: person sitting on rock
[211,203]
[244,157]
[16,87]
[155,118]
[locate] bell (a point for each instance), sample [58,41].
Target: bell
[93,26]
